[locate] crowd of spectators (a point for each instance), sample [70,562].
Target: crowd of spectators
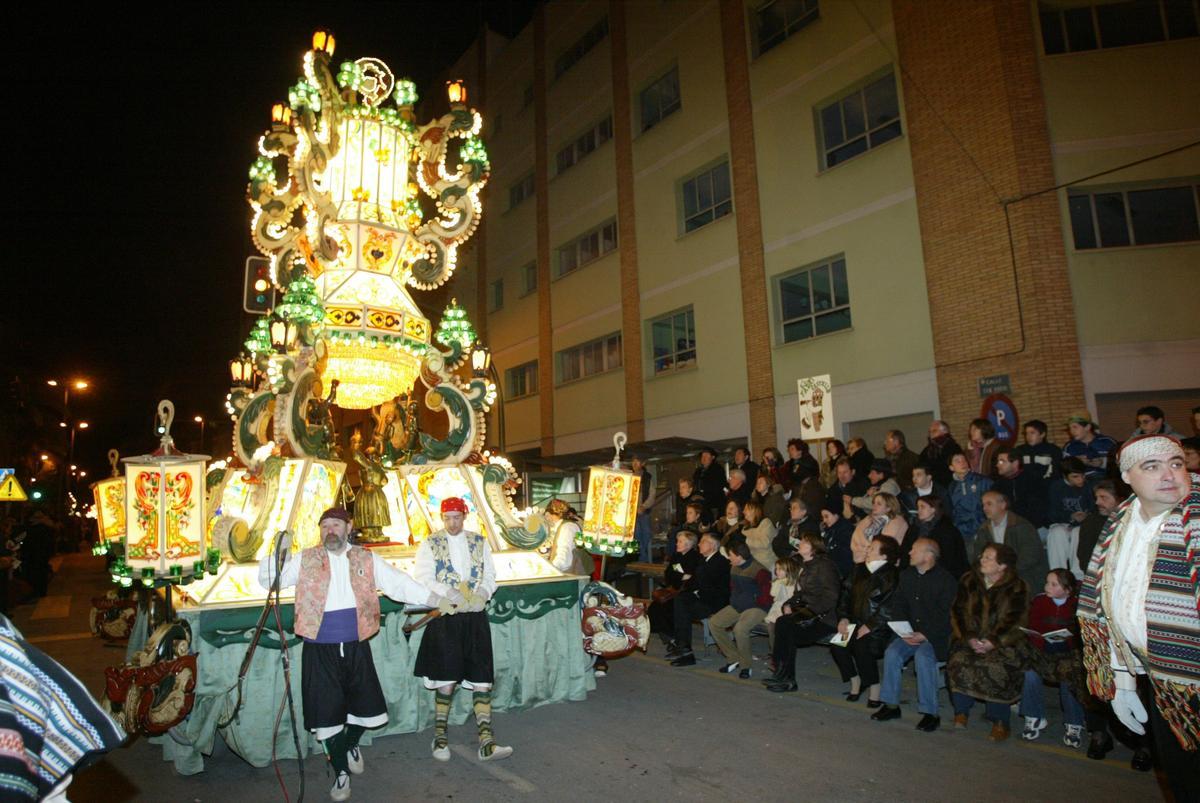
[964,559]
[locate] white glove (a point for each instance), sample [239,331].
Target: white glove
[1129,709]
[475,603]
[456,597]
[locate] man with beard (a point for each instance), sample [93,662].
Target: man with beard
[337,612]
[456,647]
[1138,613]
[937,453]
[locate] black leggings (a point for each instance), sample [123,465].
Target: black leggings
[857,659]
[789,636]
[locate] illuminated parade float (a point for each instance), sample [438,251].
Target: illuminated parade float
[354,205]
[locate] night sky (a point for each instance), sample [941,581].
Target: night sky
[127,227]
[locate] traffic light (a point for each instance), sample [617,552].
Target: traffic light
[36,496]
[258,297]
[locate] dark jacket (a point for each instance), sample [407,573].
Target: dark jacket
[924,601]
[908,500]
[903,465]
[774,506]
[817,591]
[856,487]
[966,502]
[1066,499]
[1019,534]
[861,462]
[801,468]
[837,540]
[749,587]
[867,599]
[1041,461]
[784,542]
[688,562]
[951,547]
[740,495]
[1026,493]
[750,469]
[937,455]
[710,483]
[681,504]
[712,581]
[1089,534]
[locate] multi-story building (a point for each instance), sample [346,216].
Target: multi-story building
[695,203]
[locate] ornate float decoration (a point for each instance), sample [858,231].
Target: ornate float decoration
[612,498]
[613,624]
[155,691]
[109,496]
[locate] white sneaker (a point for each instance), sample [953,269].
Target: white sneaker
[441,753]
[498,752]
[1033,728]
[355,760]
[341,787]
[1073,738]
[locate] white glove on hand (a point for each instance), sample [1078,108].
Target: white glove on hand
[475,603]
[1129,709]
[456,597]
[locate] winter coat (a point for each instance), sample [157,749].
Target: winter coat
[817,591]
[774,506]
[953,550]
[1027,495]
[937,455]
[924,601]
[867,599]
[994,614]
[1032,564]
[966,502]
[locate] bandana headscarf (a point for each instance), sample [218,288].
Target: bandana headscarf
[1144,447]
[453,504]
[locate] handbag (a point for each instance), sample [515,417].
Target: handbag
[664,594]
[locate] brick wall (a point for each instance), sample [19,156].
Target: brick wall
[976,124]
[631,303]
[743,165]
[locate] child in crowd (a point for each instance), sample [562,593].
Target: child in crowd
[1056,660]
[783,588]
[1070,502]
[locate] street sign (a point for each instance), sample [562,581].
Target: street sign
[999,383]
[1000,410]
[10,489]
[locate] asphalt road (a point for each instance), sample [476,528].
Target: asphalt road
[649,732]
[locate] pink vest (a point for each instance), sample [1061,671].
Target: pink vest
[312,589]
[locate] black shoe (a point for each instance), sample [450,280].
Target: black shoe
[873,703]
[774,677]
[886,712]
[676,652]
[1141,760]
[1100,744]
[853,696]
[783,685]
[685,660]
[929,723]
[745,673]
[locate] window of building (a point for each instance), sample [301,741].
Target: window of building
[1120,217]
[588,248]
[660,99]
[863,119]
[814,301]
[520,191]
[496,295]
[1105,25]
[585,43]
[706,197]
[591,139]
[521,380]
[673,340]
[529,278]
[776,20]
[589,359]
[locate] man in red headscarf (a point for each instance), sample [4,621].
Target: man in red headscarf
[337,612]
[456,647]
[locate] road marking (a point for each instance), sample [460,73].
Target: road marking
[60,637]
[52,607]
[511,778]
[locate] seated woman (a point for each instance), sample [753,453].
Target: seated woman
[988,652]
[732,522]
[886,518]
[933,523]
[809,616]
[677,577]
[866,607]
[758,532]
[1059,661]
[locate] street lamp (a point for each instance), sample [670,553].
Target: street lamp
[200,420]
[481,360]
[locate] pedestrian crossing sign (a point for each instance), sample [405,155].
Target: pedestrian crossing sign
[10,489]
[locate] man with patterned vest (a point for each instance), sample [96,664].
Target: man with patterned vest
[456,647]
[1139,609]
[337,611]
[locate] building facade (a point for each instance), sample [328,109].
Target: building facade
[694,204]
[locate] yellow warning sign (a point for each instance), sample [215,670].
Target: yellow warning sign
[10,489]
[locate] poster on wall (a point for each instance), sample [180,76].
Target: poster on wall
[816,407]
